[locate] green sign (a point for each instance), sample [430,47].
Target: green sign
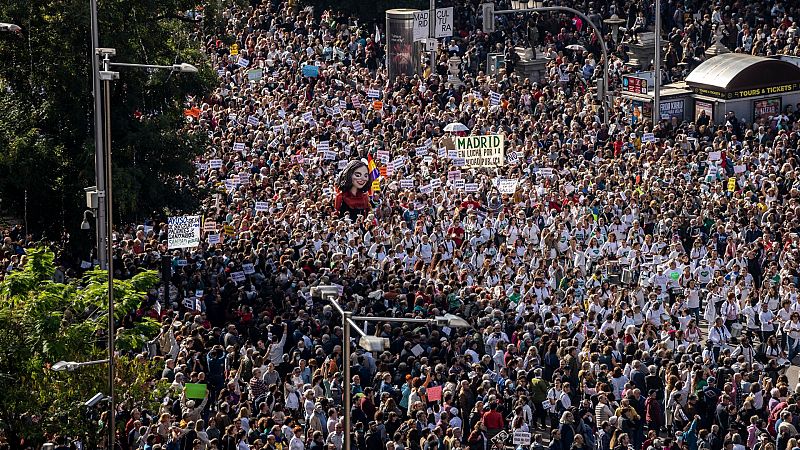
[195,390]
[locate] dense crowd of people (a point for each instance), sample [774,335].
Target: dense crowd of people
[620,295]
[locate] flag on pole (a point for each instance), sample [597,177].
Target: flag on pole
[377,34]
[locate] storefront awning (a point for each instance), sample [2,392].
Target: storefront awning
[738,75]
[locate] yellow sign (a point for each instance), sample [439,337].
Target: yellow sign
[228,229]
[234,49]
[376,186]
[731,184]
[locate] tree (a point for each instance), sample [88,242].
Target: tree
[46,107]
[42,322]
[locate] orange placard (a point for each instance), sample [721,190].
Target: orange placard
[383,171]
[377,105]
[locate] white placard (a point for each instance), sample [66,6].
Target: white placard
[407,183]
[522,438]
[373,93]
[308,117]
[243,62]
[237,277]
[421,25]
[481,151]
[213,239]
[323,146]
[494,98]
[506,186]
[357,127]
[471,187]
[248,269]
[435,183]
[714,156]
[740,169]
[238,147]
[383,157]
[417,350]
[444,22]
[262,206]
[459,184]
[252,120]
[421,151]
[183,232]
[215,163]
[425,189]
[210,226]
[453,175]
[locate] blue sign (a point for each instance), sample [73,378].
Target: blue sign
[310,71]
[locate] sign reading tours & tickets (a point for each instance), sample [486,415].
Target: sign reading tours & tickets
[184,231]
[481,151]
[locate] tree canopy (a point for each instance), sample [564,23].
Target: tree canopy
[43,322]
[46,107]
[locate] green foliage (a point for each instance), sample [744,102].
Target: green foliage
[46,106]
[43,322]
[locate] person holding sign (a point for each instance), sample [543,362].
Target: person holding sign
[353,185]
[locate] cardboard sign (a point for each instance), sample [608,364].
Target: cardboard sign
[238,146]
[383,156]
[183,232]
[196,390]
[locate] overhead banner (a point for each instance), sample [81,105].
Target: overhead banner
[184,232]
[481,151]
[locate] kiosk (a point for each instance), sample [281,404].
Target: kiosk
[753,87]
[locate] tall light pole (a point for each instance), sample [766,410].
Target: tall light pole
[107,76]
[99,154]
[657,68]
[605,98]
[371,343]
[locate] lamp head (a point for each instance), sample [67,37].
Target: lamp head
[184,68]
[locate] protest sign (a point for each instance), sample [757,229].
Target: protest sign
[237,277]
[383,156]
[215,163]
[243,62]
[506,186]
[453,175]
[444,22]
[471,187]
[731,184]
[421,25]
[261,206]
[494,98]
[238,146]
[481,151]
[195,390]
[459,184]
[252,120]
[310,71]
[228,230]
[648,137]
[209,225]
[213,239]
[184,232]
[373,93]
[255,74]
[377,105]
[407,183]
[248,269]
[521,437]
[740,169]
[434,393]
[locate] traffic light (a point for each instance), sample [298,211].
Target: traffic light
[488,17]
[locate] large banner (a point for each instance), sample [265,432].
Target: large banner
[184,232]
[481,151]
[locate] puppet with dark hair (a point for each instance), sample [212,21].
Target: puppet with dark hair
[353,184]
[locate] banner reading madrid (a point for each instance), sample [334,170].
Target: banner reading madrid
[481,151]
[184,231]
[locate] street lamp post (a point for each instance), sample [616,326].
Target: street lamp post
[521,7]
[107,76]
[71,366]
[371,343]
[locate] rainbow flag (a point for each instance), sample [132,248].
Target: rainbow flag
[373,169]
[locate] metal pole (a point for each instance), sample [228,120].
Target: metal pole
[110,251]
[99,164]
[657,57]
[603,46]
[346,388]
[432,33]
